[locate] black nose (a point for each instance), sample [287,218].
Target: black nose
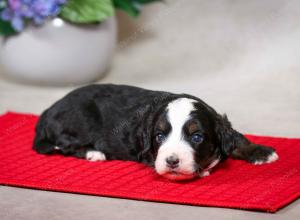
[172,161]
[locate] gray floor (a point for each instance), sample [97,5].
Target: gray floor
[240,57]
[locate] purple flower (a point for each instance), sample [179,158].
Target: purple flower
[18,12]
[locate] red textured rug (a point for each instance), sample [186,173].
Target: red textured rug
[234,184]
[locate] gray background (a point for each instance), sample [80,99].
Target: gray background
[241,57]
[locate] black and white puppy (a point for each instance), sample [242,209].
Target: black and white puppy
[177,134]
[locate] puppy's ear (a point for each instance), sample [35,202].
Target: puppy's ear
[144,134]
[225,135]
[145,140]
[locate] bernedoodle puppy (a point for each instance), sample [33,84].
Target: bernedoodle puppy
[178,134]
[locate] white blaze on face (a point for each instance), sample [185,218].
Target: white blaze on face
[178,113]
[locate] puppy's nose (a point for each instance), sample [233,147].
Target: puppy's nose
[172,161]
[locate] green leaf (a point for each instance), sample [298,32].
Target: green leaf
[87,11]
[128,6]
[131,7]
[147,1]
[6,29]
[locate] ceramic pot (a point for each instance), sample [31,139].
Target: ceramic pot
[59,53]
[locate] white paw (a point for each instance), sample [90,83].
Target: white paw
[271,158]
[95,156]
[204,173]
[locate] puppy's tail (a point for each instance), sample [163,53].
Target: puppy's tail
[42,144]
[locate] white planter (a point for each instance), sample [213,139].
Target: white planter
[59,53]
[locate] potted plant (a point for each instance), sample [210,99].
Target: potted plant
[59,42]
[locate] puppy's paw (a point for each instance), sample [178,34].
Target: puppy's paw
[255,154]
[204,173]
[95,156]
[261,154]
[267,159]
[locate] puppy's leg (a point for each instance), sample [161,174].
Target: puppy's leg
[69,145]
[253,153]
[94,155]
[44,147]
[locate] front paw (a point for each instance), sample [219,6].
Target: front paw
[204,173]
[261,154]
[255,154]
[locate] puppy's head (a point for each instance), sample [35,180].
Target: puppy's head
[188,137]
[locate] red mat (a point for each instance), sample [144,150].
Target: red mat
[234,184]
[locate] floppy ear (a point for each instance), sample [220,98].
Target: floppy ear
[147,117]
[145,154]
[144,134]
[225,134]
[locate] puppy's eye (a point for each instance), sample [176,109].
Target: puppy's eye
[160,138]
[197,138]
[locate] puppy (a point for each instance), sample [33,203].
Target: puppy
[178,134]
